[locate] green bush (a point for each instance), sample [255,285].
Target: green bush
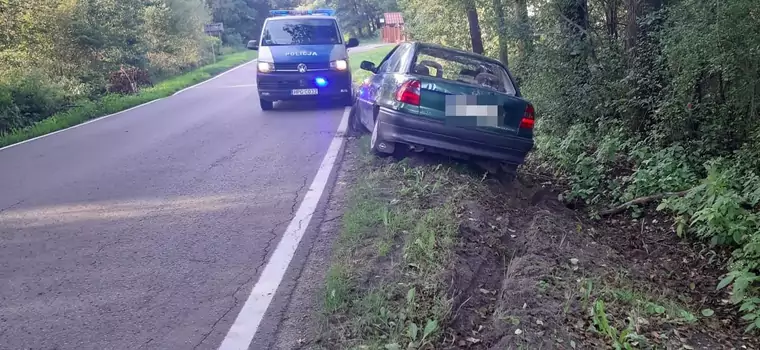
[721,210]
[28,97]
[682,115]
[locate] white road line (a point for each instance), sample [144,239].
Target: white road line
[212,78]
[246,324]
[78,125]
[120,112]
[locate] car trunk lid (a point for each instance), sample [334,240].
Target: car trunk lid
[468,106]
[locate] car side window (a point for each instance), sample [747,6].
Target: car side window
[387,61]
[397,60]
[404,58]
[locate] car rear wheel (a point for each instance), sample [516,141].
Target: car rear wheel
[266,105]
[508,172]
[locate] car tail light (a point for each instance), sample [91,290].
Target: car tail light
[529,118]
[409,92]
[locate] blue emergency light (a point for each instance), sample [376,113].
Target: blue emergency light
[324,12]
[321,82]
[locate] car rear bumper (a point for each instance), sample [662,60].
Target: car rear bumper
[395,126]
[278,86]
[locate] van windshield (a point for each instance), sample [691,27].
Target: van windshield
[301,31]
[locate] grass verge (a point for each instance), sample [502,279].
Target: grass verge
[114,103]
[374,55]
[387,284]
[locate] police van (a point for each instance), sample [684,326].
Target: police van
[302,55]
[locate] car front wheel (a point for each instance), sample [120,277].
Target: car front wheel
[355,126]
[380,147]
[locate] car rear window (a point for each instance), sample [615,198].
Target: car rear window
[301,31]
[462,68]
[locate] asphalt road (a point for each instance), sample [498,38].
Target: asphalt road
[148,229]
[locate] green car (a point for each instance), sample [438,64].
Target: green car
[425,97]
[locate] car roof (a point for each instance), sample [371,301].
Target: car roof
[277,18]
[461,52]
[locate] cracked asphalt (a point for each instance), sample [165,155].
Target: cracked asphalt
[147,230]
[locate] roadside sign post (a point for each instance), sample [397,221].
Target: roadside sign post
[214,29]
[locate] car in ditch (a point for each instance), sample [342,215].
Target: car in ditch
[302,55]
[426,97]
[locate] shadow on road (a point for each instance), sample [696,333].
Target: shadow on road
[291,106]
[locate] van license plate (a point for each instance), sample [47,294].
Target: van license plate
[300,92]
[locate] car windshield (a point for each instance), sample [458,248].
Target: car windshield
[301,31]
[462,68]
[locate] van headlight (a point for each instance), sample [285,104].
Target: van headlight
[339,65]
[265,67]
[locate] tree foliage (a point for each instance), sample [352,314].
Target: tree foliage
[635,98]
[357,17]
[55,52]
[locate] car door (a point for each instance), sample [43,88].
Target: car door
[366,94]
[391,64]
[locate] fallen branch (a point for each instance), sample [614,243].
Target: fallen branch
[642,200]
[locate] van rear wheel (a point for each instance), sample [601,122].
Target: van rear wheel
[347,100]
[266,105]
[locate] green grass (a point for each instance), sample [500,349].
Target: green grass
[374,55]
[618,308]
[373,40]
[114,103]
[386,285]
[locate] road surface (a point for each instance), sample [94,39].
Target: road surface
[149,229]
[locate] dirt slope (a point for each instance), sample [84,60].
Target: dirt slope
[509,267]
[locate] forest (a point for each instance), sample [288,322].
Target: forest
[641,105]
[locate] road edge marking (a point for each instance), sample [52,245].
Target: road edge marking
[249,318]
[124,111]
[214,77]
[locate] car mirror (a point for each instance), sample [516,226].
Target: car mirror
[352,42]
[368,66]
[253,45]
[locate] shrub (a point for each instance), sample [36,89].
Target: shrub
[28,97]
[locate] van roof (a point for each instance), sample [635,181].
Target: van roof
[276,18]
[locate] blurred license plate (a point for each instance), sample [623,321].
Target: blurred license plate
[297,92]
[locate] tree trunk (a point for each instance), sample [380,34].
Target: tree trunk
[611,18]
[525,34]
[631,27]
[372,26]
[574,26]
[472,19]
[502,34]
[636,9]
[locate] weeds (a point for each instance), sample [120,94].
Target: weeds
[385,288]
[621,314]
[619,340]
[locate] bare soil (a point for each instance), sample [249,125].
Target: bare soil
[528,271]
